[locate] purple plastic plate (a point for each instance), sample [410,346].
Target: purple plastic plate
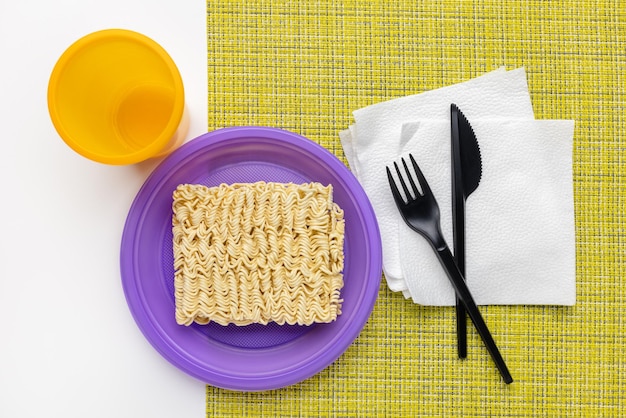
[254,357]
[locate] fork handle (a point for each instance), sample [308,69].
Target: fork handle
[463,293]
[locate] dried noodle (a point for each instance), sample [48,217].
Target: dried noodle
[257,253]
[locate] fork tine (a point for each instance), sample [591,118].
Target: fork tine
[394,189]
[406,189]
[416,191]
[420,177]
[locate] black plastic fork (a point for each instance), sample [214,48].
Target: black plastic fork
[421,213]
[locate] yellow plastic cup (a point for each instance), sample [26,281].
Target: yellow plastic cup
[115,96]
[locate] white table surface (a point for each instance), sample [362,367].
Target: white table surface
[69,346]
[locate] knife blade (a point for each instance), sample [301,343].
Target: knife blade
[466,174]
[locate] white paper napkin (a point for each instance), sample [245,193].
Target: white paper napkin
[519,221]
[520,243]
[373,141]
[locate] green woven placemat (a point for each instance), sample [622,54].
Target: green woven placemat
[305,66]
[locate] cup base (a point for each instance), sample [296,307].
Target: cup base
[142,114]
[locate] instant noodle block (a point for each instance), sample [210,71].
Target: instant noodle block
[257,253]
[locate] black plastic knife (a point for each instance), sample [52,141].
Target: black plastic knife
[466,173]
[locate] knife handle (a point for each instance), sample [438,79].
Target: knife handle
[459,258]
[461,329]
[466,298]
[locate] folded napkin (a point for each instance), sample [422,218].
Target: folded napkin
[420,124]
[371,143]
[519,221]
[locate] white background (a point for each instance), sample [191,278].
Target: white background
[69,346]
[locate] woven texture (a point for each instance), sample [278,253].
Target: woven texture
[305,66]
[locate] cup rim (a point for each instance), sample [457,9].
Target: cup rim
[88,41]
